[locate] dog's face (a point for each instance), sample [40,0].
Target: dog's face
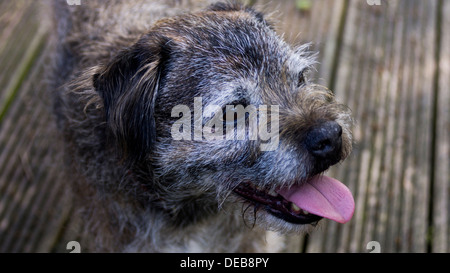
[171,101]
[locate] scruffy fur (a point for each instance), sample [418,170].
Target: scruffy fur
[122,65]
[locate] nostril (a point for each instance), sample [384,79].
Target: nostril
[325,140]
[321,146]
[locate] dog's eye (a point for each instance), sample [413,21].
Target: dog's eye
[301,78]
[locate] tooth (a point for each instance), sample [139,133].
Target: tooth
[305,212]
[272,193]
[295,208]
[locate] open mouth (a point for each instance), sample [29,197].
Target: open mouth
[307,203]
[275,204]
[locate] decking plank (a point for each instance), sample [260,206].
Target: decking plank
[441,194]
[384,77]
[19,52]
[31,203]
[31,194]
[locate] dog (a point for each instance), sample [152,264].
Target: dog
[150,97]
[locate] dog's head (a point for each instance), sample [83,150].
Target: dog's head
[212,111]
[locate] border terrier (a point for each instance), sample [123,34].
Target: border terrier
[150,96]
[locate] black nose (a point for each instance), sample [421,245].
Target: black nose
[324,141]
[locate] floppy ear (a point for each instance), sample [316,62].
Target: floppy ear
[128,87]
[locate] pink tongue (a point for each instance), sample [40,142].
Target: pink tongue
[322,196]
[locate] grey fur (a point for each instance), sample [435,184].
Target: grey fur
[121,66]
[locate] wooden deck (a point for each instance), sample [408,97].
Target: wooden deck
[390,63]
